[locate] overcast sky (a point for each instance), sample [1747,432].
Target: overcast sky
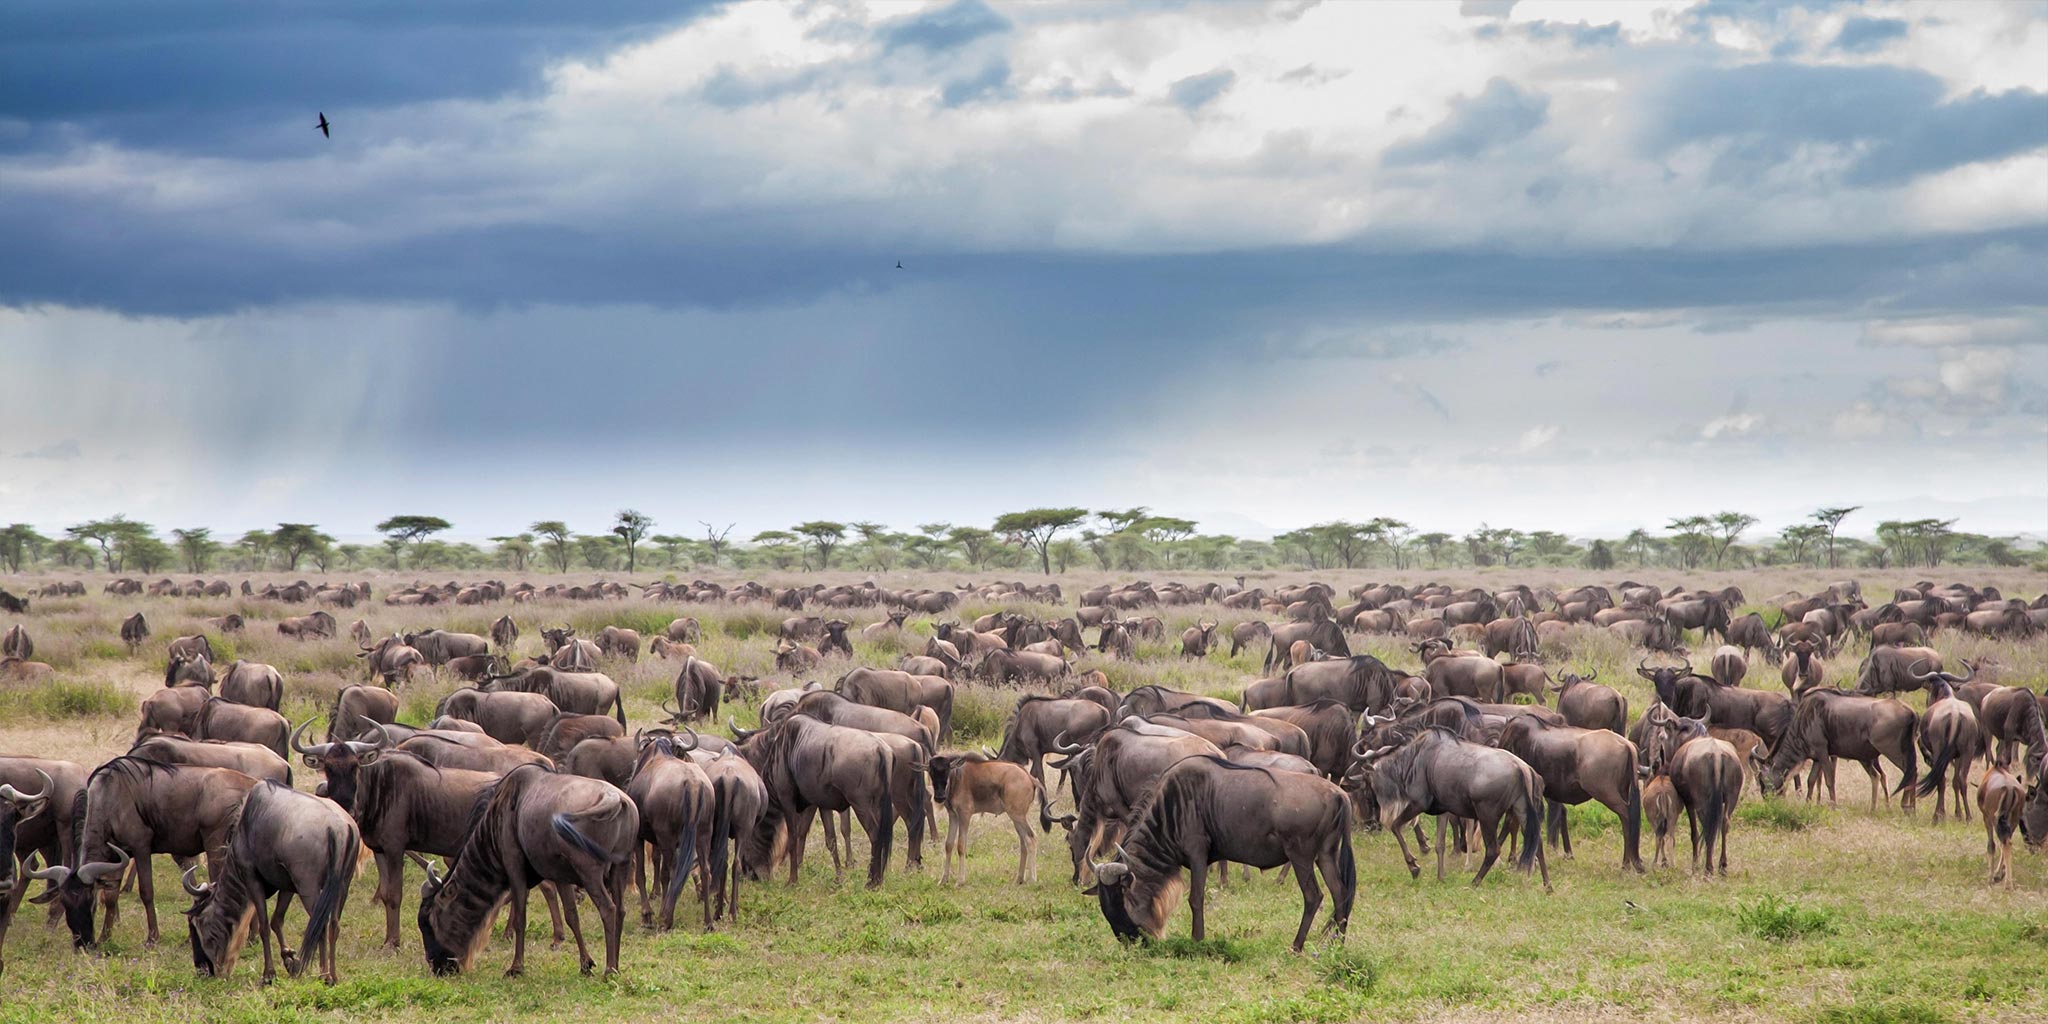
[1579,266]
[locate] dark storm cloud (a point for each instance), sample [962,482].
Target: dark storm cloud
[1500,114]
[1896,115]
[185,75]
[1863,35]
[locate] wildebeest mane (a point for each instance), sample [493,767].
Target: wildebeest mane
[460,910]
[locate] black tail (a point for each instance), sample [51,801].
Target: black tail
[1910,769]
[686,858]
[1632,825]
[325,909]
[885,831]
[721,834]
[1932,780]
[570,834]
[619,711]
[1347,874]
[1532,827]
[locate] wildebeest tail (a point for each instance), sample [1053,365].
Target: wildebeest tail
[1935,770]
[569,833]
[1910,768]
[1532,822]
[686,852]
[721,828]
[920,807]
[335,879]
[619,710]
[885,837]
[1346,888]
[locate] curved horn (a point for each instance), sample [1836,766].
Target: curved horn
[90,874]
[1919,676]
[57,873]
[1970,673]
[195,891]
[1591,674]
[738,733]
[1061,746]
[695,741]
[316,750]
[8,792]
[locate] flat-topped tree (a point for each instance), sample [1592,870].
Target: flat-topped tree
[631,525]
[555,535]
[823,535]
[293,541]
[1036,528]
[403,530]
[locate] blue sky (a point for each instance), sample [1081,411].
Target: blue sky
[1560,265]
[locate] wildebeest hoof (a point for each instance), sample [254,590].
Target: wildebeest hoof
[1414,872]
[514,972]
[554,945]
[588,966]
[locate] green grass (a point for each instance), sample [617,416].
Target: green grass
[1775,918]
[1781,815]
[61,699]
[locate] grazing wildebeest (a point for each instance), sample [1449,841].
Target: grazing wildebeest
[1194,640]
[900,691]
[1577,765]
[531,826]
[1829,723]
[568,729]
[504,633]
[1320,633]
[1112,774]
[1660,809]
[252,683]
[1516,636]
[978,783]
[1706,775]
[19,605]
[675,799]
[738,801]
[1590,705]
[1728,666]
[617,642]
[1440,773]
[223,719]
[141,808]
[1003,667]
[508,717]
[1461,674]
[299,627]
[1751,634]
[807,766]
[358,709]
[874,631]
[18,806]
[284,843]
[1763,712]
[194,671]
[584,693]
[134,629]
[1039,721]
[1330,728]
[439,646]
[2002,800]
[1360,682]
[391,659]
[1152,699]
[827,706]
[1246,633]
[1206,809]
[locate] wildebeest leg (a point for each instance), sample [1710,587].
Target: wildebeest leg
[390,890]
[285,952]
[799,837]
[1198,878]
[956,844]
[515,922]
[569,913]
[263,930]
[1311,894]
[1440,819]
[1961,780]
[640,883]
[1692,823]
[597,885]
[1421,843]
[878,840]
[145,887]
[1489,833]
[1875,771]
[549,894]
[1414,869]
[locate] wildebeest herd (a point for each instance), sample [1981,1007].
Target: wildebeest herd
[533,775]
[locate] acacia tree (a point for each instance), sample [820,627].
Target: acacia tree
[110,534]
[1693,538]
[293,541]
[19,545]
[1726,527]
[555,534]
[1799,539]
[408,530]
[824,535]
[1434,543]
[515,549]
[1832,519]
[715,540]
[974,542]
[197,546]
[631,526]
[1035,529]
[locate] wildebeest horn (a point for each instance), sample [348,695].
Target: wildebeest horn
[1061,746]
[8,792]
[316,750]
[1920,676]
[1970,673]
[57,873]
[195,891]
[91,873]
[738,733]
[695,740]
[1591,674]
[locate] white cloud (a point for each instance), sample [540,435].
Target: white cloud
[1733,426]
[1861,421]
[1537,438]
[1978,374]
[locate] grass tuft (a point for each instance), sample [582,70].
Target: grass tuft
[1778,919]
[1781,815]
[1343,967]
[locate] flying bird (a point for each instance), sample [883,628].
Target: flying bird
[899,264]
[324,133]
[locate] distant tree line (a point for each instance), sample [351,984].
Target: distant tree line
[1048,540]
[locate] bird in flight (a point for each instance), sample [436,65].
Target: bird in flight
[899,264]
[324,133]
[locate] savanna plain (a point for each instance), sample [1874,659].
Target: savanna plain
[1833,914]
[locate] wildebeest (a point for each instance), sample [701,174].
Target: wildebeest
[1111,775]
[978,783]
[391,659]
[1706,776]
[900,691]
[1360,682]
[807,766]
[1461,674]
[19,605]
[173,709]
[1329,727]
[283,843]
[1951,741]
[1590,705]
[2003,802]
[1751,634]
[1321,633]
[145,808]
[1829,723]
[1766,713]
[567,729]
[1246,633]
[299,627]
[675,800]
[1038,723]
[17,644]
[1802,671]
[134,628]
[222,719]
[17,806]
[438,646]
[359,709]
[252,759]
[828,706]
[532,826]
[584,693]
[508,717]
[1206,809]
[1440,773]
[1728,666]
[618,642]
[1194,640]
[1577,765]
[252,683]
[1660,810]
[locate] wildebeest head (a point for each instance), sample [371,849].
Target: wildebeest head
[212,955]
[555,638]
[338,761]
[1668,732]
[77,892]
[1664,678]
[2034,816]
[443,960]
[16,807]
[1112,880]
